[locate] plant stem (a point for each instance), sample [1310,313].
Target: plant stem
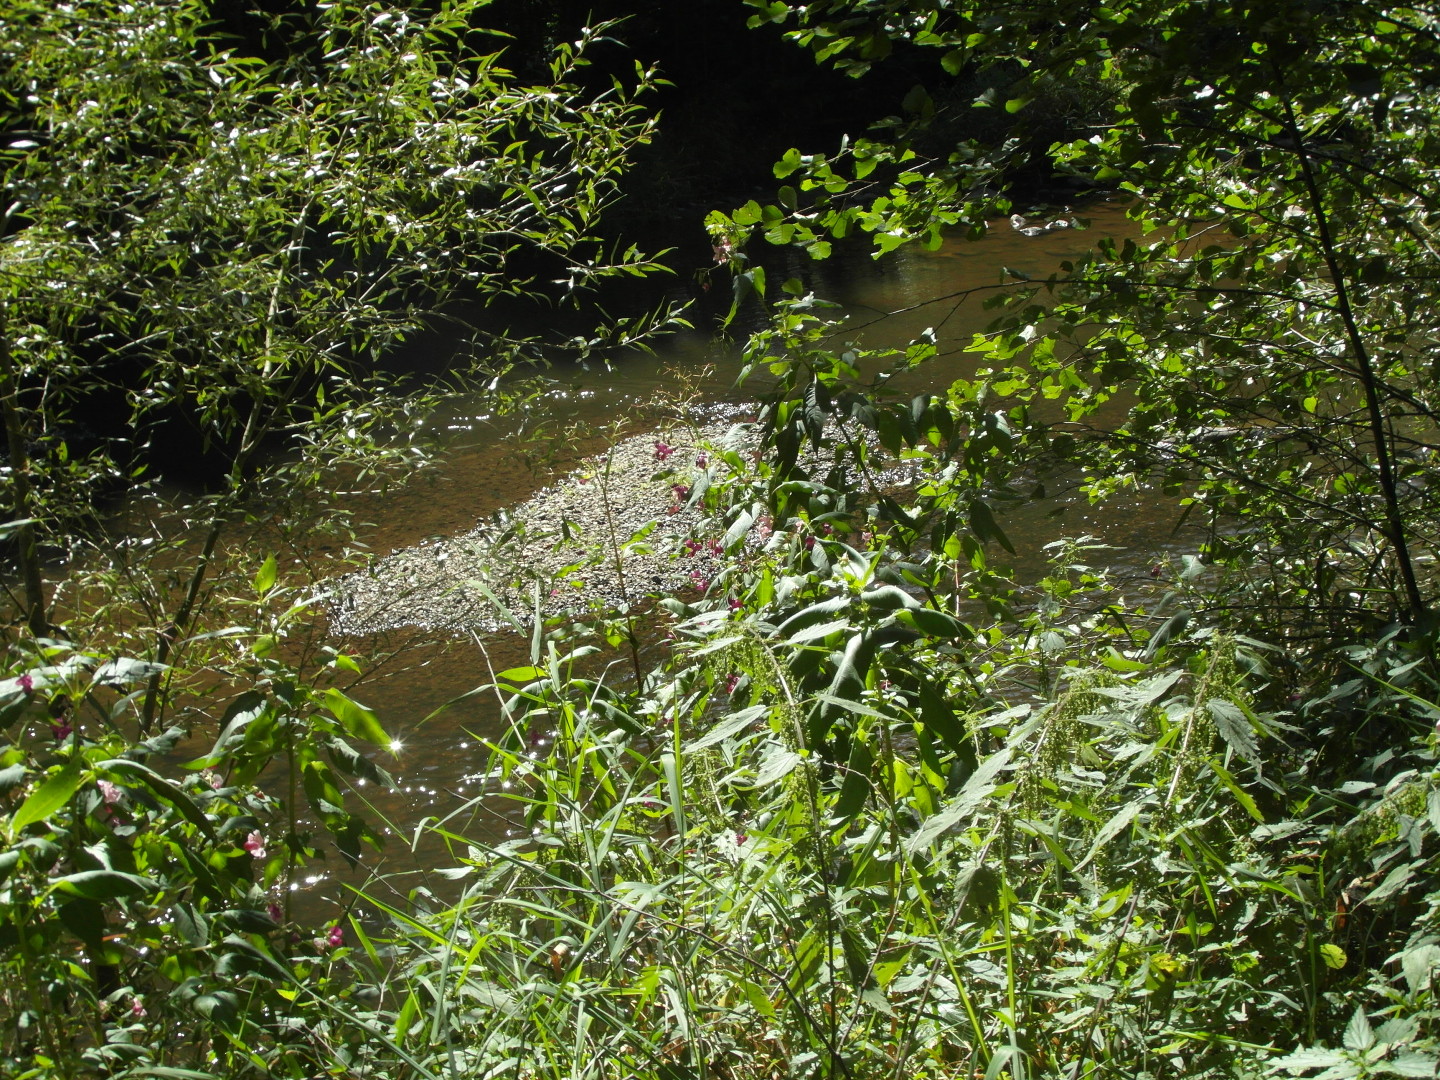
[619,561]
[1364,368]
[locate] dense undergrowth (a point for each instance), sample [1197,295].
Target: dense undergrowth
[836,830]
[877,805]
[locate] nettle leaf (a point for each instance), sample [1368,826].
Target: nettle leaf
[1234,727]
[1359,1035]
[981,785]
[1111,829]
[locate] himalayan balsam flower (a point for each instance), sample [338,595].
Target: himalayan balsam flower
[108,791]
[662,450]
[27,684]
[701,461]
[255,844]
[732,681]
[137,1009]
[336,937]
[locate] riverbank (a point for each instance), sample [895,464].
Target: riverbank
[621,526]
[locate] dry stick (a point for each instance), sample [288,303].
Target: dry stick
[1395,524]
[620,571]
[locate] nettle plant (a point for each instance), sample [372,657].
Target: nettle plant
[833,834]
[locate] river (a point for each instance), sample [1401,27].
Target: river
[888,302]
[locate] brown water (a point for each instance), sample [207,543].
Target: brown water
[889,302]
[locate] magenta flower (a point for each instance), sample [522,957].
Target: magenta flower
[701,461]
[255,844]
[662,450]
[61,730]
[699,580]
[27,684]
[681,491]
[692,547]
[336,937]
[735,603]
[276,915]
[108,791]
[137,1009]
[732,681]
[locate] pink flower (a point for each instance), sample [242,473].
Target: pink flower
[681,491]
[662,450]
[108,791]
[701,461]
[137,1009]
[336,937]
[691,547]
[255,844]
[61,730]
[699,580]
[276,915]
[764,527]
[731,682]
[735,603]
[27,684]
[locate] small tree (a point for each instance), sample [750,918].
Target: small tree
[1269,319]
[198,234]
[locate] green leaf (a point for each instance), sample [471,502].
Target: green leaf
[1241,795]
[1111,829]
[103,885]
[53,793]
[265,576]
[1333,955]
[749,214]
[1359,1035]
[728,728]
[981,785]
[983,524]
[855,789]
[359,721]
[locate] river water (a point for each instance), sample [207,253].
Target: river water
[888,301]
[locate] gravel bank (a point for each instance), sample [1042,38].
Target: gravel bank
[561,541]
